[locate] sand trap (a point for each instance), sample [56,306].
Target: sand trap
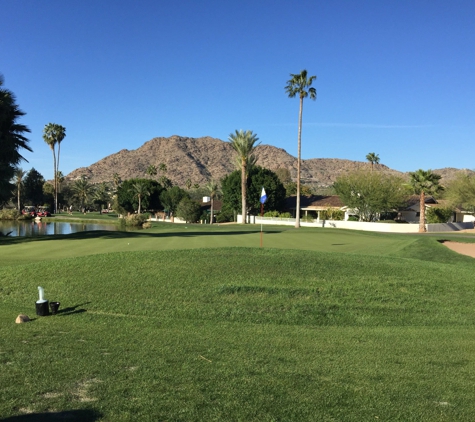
[462,248]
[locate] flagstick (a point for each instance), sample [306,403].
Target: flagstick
[262,213]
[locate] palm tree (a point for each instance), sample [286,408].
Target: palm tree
[152,171]
[244,143]
[214,191]
[54,134]
[299,84]
[373,159]
[424,182]
[116,180]
[83,190]
[60,177]
[12,140]
[19,175]
[139,190]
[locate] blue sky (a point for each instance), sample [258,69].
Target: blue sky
[393,77]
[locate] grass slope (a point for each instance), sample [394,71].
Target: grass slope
[325,325]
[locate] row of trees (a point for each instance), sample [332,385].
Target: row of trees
[376,193]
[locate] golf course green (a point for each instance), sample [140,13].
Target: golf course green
[202,323]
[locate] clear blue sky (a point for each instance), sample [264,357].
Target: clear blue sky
[394,77]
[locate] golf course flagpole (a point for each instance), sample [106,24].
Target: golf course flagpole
[262,201]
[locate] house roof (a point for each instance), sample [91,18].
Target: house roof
[217,205]
[314,202]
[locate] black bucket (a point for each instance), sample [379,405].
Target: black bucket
[42,308]
[54,307]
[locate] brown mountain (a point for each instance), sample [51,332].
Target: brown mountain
[202,159]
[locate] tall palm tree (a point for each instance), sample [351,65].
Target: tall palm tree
[300,85]
[424,182]
[53,134]
[373,159]
[19,175]
[214,193]
[139,190]
[244,143]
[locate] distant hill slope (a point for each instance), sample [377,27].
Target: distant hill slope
[202,159]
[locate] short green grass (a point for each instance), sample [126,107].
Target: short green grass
[193,323]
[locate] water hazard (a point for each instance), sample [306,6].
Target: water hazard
[40,228]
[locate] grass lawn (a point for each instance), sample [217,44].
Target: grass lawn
[194,323]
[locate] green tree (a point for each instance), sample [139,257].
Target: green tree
[188,210]
[83,191]
[439,215]
[214,192]
[424,182]
[300,85]
[116,180]
[244,143]
[291,189]
[139,190]
[170,198]
[18,179]
[128,200]
[102,196]
[152,171]
[371,193]
[373,159]
[258,177]
[12,141]
[284,175]
[53,134]
[460,191]
[33,188]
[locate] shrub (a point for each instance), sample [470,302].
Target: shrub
[438,215]
[353,218]
[285,215]
[147,225]
[9,214]
[225,216]
[205,218]
[135,220]
[307,218]
[331,214]
[271,214]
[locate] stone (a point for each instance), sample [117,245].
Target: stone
[22,318]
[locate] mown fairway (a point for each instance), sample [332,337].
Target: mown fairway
[193,323]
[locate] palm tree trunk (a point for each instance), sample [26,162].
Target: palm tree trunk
[243,190]
[54,180]
[422,213]
[211,217]
[297,208]
[56,177]
[19,194]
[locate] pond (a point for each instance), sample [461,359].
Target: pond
[39,228]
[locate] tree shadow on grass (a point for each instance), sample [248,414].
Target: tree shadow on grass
[79,415]
[96,234]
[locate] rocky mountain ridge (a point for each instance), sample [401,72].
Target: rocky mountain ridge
[206,158]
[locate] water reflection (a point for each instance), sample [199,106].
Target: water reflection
[40,228]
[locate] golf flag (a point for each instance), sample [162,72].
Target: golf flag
[263,196]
